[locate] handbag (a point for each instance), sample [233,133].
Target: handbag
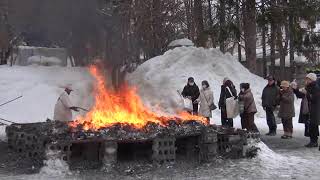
[211,106]
[232,106]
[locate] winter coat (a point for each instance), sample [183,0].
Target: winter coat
[302,118]
[249,104]
[225,94]
[286,99]
[313,95]
[269,96]
[62,111]
[192,91]
[205,99]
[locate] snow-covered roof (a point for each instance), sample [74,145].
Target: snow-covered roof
[181,42]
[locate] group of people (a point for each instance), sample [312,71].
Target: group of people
[204,97]
[277,101]
[273,96]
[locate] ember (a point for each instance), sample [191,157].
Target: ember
[124,107]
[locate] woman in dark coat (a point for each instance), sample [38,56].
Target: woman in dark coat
[191,91]
[225,93]
[249,108]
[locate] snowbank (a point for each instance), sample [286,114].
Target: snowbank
[40,87]
[297,59]
[159,78]
[181,42]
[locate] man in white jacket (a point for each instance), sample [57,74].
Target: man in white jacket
[63,107]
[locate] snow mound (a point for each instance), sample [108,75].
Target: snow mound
[159,78]
[181,42]
[44,61]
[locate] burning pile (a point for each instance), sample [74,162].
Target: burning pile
[124,107]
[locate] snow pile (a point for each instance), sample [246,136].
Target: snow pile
[181,42]
[158,79]
[40,87]
[297,59]
[44,61]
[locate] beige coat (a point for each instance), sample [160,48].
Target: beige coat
[205,99]
[62,111]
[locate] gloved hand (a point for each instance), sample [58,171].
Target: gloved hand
[294,85]
[75,109]
[303,90]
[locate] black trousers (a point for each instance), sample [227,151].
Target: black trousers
[195,108]
[312,131]
[227,122]
[271,120]
[247,122]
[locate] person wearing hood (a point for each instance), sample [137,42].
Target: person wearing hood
[249,108]
[310,106]
[286,111]
[206,100]
[192,92]
[227,90]
[270,95]
[63,107]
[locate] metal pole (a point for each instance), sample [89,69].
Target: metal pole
[11,101]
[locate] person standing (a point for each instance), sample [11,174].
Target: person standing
[227,90]
[286,111]
[206,100]
[192,92]
[313,101]
[304,116]
[269,102]
[63,107]
[249,108]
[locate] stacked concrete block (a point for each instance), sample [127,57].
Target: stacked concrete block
[164,150]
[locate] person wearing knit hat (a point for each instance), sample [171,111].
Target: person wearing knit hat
[286,111]
[312,77]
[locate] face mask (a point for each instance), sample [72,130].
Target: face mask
[191,84]
[243,90]
[204,87]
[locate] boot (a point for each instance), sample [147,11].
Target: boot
[311,145]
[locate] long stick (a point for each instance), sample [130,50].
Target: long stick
[11,101]
[83,109]
[7,121]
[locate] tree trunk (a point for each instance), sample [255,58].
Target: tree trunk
[273,41]
[281,52]
[291,37]
[198,15]
[239,30]
[222,20]
[250,33]
[264,49]
[211,23]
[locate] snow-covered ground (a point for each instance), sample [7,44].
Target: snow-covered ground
[157,81]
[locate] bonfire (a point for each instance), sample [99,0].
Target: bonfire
[123,107]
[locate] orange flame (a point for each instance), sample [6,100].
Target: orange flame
[124,107]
